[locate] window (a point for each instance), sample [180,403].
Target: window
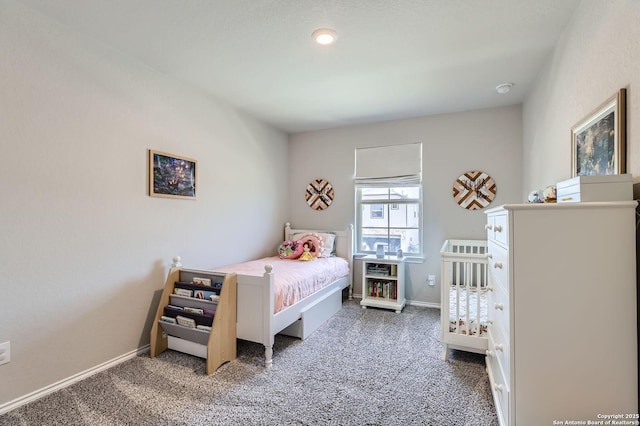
[388,182]
[389,216]
[377,211]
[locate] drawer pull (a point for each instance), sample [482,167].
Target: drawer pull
[489,353]
[499,306]
[497,228]
[488,227]
[490,288]
[497,265]
[490,322]
[566,199]
[498,387]
[489,256]
[499,347]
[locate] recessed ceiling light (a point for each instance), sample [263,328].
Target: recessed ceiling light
[324,36]
[504,88]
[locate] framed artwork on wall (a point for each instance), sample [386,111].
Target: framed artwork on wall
[598,142]
[171,176]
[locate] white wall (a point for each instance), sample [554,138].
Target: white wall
[488,140]
[597,55]
[84,250]
[83,246]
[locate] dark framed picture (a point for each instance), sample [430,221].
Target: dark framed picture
[171,176]
[598,143]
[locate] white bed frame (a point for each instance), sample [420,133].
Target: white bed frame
[256,321]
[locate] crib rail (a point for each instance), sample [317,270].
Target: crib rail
[468,249]
[464,279]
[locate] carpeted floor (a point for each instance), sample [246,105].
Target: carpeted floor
[363,367]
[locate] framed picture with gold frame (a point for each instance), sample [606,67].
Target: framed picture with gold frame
[599,141]
[171,176]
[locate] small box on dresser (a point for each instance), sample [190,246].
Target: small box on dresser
[595,188]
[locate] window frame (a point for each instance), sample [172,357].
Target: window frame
[388,202]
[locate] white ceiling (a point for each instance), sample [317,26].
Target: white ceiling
[393,58]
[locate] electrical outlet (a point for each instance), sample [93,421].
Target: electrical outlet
[431,280]
[5,352]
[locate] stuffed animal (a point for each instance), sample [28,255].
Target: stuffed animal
[549,194]
[536,196]
[306,253]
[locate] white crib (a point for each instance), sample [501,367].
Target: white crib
[463,305]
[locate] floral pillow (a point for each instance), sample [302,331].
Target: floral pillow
[290,249]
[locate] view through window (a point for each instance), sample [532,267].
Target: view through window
[389,216]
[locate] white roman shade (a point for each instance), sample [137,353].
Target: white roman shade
[389,165]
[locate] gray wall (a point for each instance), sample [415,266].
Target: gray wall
[596,56]
[84,250]
[488,140]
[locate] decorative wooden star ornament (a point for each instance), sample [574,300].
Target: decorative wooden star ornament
[319,194]
[474,190]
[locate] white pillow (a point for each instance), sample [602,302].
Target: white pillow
[329,247]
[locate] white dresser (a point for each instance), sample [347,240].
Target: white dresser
[562,312]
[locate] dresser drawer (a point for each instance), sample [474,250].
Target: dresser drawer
[491,235]
[498,266]
[498,311]
[501,228]
[500,307]
[497,227]
[499,387]
[498,346]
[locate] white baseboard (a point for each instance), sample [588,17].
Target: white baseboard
[423,304]
[30,397]
[410,302]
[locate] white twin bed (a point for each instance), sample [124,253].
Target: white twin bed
[291,297]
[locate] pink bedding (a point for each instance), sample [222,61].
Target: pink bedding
[293,279]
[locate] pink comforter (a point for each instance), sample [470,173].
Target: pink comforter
[293,279]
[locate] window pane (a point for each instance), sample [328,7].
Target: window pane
[406,216]
[372,237]
[374,215]
[408,240]
[375,194]
[377,211]
[412,192]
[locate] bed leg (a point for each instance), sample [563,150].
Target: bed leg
[268,355]
[445,353]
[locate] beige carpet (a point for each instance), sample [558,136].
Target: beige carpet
[363,367]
